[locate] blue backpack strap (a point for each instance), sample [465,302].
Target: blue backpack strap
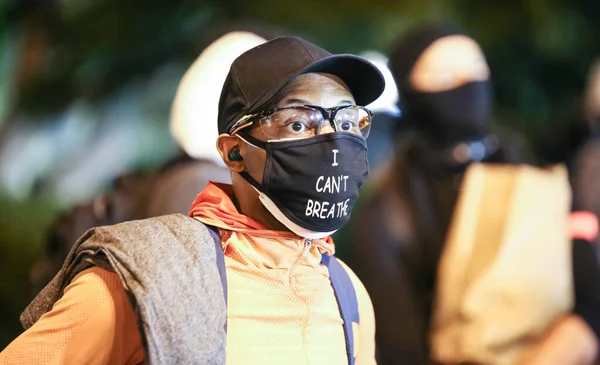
[346,299]
[220,258]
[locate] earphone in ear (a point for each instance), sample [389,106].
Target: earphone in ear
[235,155]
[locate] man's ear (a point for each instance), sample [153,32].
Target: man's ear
[229,147]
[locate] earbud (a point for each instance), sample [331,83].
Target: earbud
[235,155]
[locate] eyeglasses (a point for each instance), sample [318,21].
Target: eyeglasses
[305,121]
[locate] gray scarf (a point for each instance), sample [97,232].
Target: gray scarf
[168,267]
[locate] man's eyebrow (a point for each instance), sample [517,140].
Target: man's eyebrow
[294,101]
[297,101]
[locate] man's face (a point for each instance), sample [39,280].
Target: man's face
[322,90]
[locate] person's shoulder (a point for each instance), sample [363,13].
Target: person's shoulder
[153,223]
[97,281]
[174,232]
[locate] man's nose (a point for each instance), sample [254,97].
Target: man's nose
[326,127]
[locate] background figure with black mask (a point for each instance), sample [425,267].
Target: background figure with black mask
[401,223]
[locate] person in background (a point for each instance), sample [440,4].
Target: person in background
[398,232]
[249,277]
[174,186]
[577,144]
[584,166]
[382,137]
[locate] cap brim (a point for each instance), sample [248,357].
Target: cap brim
[365,81]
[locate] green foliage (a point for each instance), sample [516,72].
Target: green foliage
[539,50]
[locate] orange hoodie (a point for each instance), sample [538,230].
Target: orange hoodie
[281,306]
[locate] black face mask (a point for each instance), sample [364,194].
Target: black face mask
[451,116]
[311,185]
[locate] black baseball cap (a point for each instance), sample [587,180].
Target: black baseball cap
[259,74]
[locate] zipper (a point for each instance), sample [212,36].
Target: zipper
[307,244]
[304,253]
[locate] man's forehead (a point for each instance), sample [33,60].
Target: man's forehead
[312,83]
[320,77]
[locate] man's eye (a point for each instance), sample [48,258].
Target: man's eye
[346,126]
[297,126]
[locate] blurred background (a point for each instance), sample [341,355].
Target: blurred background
[86,87]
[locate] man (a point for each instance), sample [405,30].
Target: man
[293,135]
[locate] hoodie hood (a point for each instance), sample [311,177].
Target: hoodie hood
[214,206]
